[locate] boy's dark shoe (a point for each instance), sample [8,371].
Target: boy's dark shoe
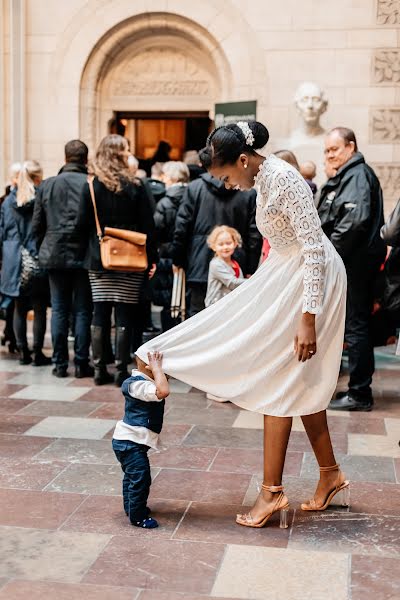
[60,371]
[102,376]
[41,360]
[147,523]
[349,402]
[83,370]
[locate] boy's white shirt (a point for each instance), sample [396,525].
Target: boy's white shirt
[146,391]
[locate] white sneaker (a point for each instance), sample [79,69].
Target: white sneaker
[216,398]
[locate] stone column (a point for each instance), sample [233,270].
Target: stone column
[17,81]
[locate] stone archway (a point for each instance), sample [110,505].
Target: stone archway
[151,62]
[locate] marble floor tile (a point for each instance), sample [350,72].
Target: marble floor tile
[200,416]
[173,435]
[357,423]
[38,590]
[18,446]
[105,514]
[10,407]
[50,392]
[109,410]
[184,458]
[34,554]
[373,445]
[376,579]
[101,394]
[396,463]
[155,595]
[189,400]
[4,374]
[28,474]
[88,479]
[18,423]
[178,387]
[79,451]
[370,535]
[200,486]
[251,461]
[357,468]
[72,427]
[36,510]
[249,420]
[209,522]
[393,428]
[224,437]
[276,573]
[48,408]
[39,378]
[7,389]
[157,563]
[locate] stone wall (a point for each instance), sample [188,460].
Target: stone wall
[261,50]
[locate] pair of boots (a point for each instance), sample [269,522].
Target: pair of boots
[100,350]
[39,359]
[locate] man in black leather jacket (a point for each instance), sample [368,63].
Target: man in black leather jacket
[62,252]
[351,213]
[206,204]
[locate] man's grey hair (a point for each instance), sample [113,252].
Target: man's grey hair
[176,171]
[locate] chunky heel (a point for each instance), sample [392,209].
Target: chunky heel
[284,518]
[345,496]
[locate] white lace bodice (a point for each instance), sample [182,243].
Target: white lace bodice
[286,214]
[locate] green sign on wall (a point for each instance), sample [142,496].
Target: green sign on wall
[232,112]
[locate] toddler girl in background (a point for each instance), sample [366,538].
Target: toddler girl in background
[224,273]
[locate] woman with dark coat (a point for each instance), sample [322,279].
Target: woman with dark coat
[16,234]
[121,203]
[176,176]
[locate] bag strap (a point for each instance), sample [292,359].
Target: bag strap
[96,217]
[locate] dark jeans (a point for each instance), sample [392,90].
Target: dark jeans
[196,294]
[21,307]
[137,478]
[70,293]
[358,333]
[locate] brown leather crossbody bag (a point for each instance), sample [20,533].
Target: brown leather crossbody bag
[120,249]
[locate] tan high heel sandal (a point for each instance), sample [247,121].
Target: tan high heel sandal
[281,505]
[342,485]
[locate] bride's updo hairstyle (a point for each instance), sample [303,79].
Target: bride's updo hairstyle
[226,143]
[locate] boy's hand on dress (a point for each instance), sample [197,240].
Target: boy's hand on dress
[155,363]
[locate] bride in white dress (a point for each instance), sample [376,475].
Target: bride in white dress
[274,344]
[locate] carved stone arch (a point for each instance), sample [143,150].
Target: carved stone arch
[205,75]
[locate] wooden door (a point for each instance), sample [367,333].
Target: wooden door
[149,132]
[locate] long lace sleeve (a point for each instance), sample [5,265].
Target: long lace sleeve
[299,208]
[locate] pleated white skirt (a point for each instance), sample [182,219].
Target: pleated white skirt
[241,348]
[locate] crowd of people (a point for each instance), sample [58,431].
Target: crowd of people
[192,221]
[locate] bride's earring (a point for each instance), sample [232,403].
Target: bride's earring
[245,166]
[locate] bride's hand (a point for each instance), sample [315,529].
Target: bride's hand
[305,342]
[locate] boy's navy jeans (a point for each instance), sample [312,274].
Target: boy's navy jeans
[137,478]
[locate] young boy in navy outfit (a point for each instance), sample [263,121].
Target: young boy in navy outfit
[145,392]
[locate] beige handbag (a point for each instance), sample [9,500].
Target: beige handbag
[120,249]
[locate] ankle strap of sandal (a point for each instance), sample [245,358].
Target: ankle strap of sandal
[333,468]
[272,488]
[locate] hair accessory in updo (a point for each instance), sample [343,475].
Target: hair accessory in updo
[248,134]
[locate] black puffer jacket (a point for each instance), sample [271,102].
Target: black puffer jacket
[55,216]
[206,204]
[351,213]
[128,209]
[164,218]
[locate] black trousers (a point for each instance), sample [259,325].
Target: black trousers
[195,296]
[358,334]
[22,305]
[137,478]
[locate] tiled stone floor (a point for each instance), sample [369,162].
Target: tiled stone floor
[63,532]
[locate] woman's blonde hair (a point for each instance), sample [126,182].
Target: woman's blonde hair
[216,232]
[25,184]
[176,171]
[111,165]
